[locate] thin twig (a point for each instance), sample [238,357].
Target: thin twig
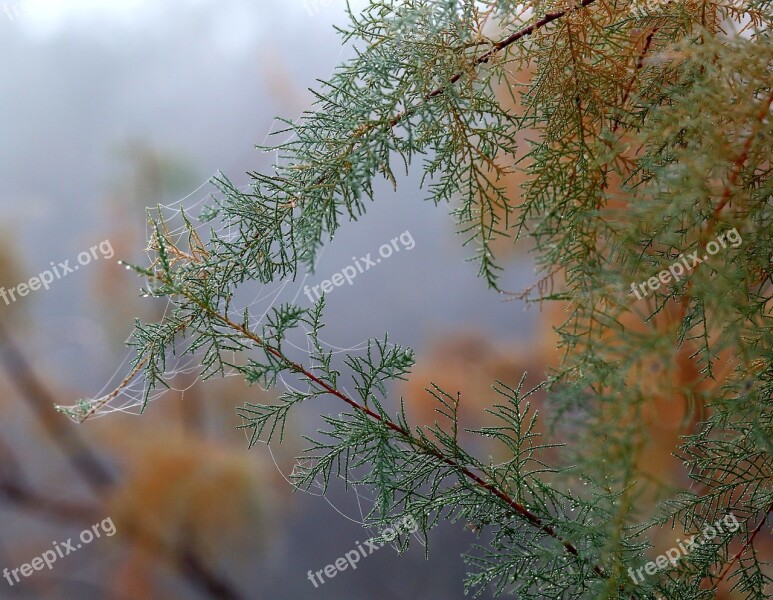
[87,465]
[488,55]
[518,508]
[727,194]
[42,403]
[743,549]
[15,488]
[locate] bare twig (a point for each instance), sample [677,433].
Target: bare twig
[42,403]
[16,490]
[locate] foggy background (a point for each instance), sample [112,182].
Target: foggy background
[107,108]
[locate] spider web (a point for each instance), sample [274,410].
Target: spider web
[126,391]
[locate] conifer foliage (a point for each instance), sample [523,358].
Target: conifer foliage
[650,135]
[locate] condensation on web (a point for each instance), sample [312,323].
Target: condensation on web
[126,390]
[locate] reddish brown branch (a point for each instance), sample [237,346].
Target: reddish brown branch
[639,66]
[487,56]
[743,549]
[727,194]
[518,508]
[742,157]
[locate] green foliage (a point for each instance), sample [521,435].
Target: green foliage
[650,133]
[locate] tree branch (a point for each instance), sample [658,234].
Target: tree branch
[516,507]
[42,403]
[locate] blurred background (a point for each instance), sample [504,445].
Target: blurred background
[107,108]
